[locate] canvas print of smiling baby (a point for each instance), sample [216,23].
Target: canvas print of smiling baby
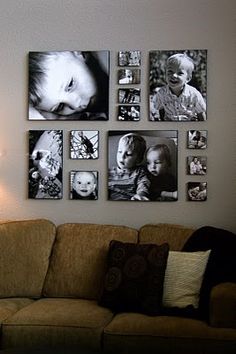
[178,85]
[68,85]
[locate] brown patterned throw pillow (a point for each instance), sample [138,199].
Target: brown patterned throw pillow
[134,278]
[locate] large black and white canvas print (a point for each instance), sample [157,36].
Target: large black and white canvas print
[68,85]
[84,144]
[142,165]
[45,164]
[178,85]
[84,185]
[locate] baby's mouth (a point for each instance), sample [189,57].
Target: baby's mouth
[173,81]
[154,172]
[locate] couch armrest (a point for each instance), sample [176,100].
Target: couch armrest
[223,305]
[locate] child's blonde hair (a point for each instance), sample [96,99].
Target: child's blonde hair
[135,142]
[182,58]
[164,151]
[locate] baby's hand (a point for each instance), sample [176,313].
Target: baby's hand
[139,197]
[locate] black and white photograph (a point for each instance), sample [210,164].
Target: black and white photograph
[129,58]
[178,85]
[84,185]
[142,165]
[129,76]
[45,164]
[197,191]
[129,95]
[68,85]
[196,165]
[197,139]
[84,144]
[129,113]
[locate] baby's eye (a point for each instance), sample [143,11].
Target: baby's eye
[88,182]
[70,85]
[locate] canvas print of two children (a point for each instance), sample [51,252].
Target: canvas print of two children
[142,165]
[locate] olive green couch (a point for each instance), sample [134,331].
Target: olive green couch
[51,279]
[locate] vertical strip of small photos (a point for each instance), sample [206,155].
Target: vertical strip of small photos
[129,79]
[84,145]
[196,165]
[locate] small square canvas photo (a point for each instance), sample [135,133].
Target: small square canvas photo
[197,191]
[129,58]
[84,185]
[178,85]
[129,95]
[84,144]
[196,165]
[129,113]
[68,85]
[129,76]
[197,139]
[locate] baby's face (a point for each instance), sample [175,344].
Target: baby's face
[176,76]
[156,164]
[84,183]
[68,85]
[126,156]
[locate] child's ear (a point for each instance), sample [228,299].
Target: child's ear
[189,77]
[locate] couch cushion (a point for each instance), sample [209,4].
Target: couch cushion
[137,333]
[79,257]
[183,278]
[25,250]
[134,279]
[56,323]
[174,235]
[10,306]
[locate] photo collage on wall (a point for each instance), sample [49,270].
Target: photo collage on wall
[142,164]
[129,79]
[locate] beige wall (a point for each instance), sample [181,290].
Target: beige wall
[114,25]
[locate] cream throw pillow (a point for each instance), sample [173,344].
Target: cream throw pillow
[183,278]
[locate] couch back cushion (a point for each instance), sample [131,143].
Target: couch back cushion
[174,235]
[78,262]
[25,248]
